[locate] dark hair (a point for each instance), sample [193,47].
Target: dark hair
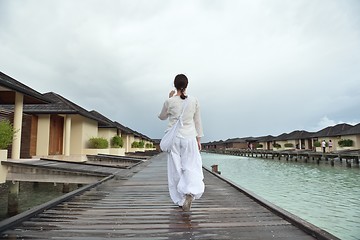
[180,83]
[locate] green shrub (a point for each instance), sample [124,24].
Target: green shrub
[6,134]
[98,143]
[276,145]
[346,143]
[117,142]
[149,145]
[288,145]
[141,144]
[258,145]
[317,144]
[135,144]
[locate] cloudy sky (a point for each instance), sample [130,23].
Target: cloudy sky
[258,67]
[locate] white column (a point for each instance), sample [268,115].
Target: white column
[67,135]
[18,115]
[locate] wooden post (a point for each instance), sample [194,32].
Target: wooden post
[66,188]
[13,199]
[348,163]
[332,162]
[214,168]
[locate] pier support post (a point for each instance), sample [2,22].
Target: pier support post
[332,162]
[66,188]
[3,169]
[13,199]
[348,163]
[214,168]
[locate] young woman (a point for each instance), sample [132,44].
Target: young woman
[185,176]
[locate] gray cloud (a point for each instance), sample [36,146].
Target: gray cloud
[257,67]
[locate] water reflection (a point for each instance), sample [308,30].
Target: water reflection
[31,194]
[324,195]
[181,225]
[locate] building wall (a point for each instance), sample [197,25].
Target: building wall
[355,138]
[239,145]
[107,133]
[127,143]
[267,145]
[82,129]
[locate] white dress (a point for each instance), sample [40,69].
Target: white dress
[185,175]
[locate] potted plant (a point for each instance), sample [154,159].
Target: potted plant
[276,146]
[346,144]
[117,143]
[289,146]
[97,145]
[148,145]
[317,146]
[6,137]
[135,144]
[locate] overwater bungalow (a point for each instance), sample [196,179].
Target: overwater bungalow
[298,139]
[236,143]
[63,127]
[16,95]
[214,145]
[332,133]
[108,132]
[265,142]
[53,125]
[352,134]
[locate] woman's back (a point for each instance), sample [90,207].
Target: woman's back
[191,118]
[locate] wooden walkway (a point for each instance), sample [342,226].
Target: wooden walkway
[350,158]
[139,207]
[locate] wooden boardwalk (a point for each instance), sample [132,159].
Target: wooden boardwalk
[139,207]
[350,158]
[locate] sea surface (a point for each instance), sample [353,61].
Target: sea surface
[328,197]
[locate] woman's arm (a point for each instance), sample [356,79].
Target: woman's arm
[197,121]
[164,112]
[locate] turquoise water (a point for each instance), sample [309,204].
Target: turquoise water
[328,197]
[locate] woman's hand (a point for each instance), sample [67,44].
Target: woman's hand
[198,143]
[171,93]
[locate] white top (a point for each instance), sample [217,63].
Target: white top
[191,119]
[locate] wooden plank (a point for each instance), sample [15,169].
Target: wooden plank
[140,208]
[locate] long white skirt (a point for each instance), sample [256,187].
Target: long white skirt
[185,175]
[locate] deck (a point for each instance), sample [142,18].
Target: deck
[139,207]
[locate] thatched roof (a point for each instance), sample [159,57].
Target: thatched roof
[355,130]
[8,87]
[333,131]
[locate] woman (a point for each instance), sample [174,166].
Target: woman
[185,176]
